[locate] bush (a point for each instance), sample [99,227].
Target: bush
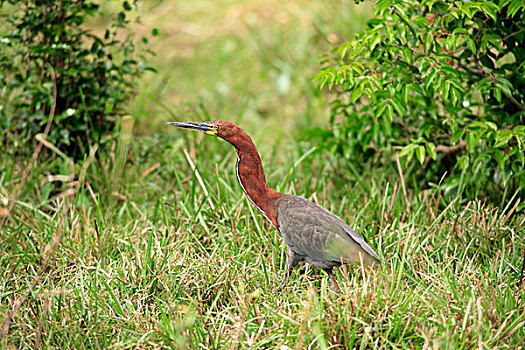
[443,82]
[47,50]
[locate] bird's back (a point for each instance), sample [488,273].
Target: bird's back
[320,237]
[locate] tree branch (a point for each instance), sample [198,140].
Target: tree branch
[469,69]
[512,34]
[409,26]
[483,73]
[462,144]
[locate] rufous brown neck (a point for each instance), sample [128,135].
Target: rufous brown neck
[251,176]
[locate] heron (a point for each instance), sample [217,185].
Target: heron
[312,234]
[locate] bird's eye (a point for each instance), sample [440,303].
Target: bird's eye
[216,127]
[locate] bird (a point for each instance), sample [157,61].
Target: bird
[313,235]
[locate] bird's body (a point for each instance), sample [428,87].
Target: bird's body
[313,234]
[324,240]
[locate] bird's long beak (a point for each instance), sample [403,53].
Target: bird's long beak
[209,129]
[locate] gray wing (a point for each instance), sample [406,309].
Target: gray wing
[316,233]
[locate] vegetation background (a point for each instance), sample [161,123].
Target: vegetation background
[146,240]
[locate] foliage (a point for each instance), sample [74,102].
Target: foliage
[442,81]
[47,51]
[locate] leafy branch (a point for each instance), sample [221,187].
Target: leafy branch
[421,71]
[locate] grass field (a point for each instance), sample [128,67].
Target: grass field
[152,244]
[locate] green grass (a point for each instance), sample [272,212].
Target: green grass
[129,249]
[162,267]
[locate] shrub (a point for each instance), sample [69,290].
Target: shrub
[47,50]
[443,83]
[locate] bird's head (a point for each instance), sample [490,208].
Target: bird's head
[221,128]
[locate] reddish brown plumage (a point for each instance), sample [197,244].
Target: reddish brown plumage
[249,170]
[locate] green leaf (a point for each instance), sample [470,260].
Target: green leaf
[406,93]
[431,149]
[420,153]
[430,79]
[482,125]
[389,111]
[343,48]
[408,151]
[457,85]
[446,88]
[456,96]
[379,111]
[466,10]
[463,162]
[505,89]
[316,133]
[398,106]
[448,70]
[514,7]
[491,125]
[472,45]
[458,31]
[358,91]
[504,85]
[357,68]
[503,3]
[502,138]
[497,94]
[489,8]
[471,139]
[521,158]
[376,41]
[520,129]
[429,42]
[520,140]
